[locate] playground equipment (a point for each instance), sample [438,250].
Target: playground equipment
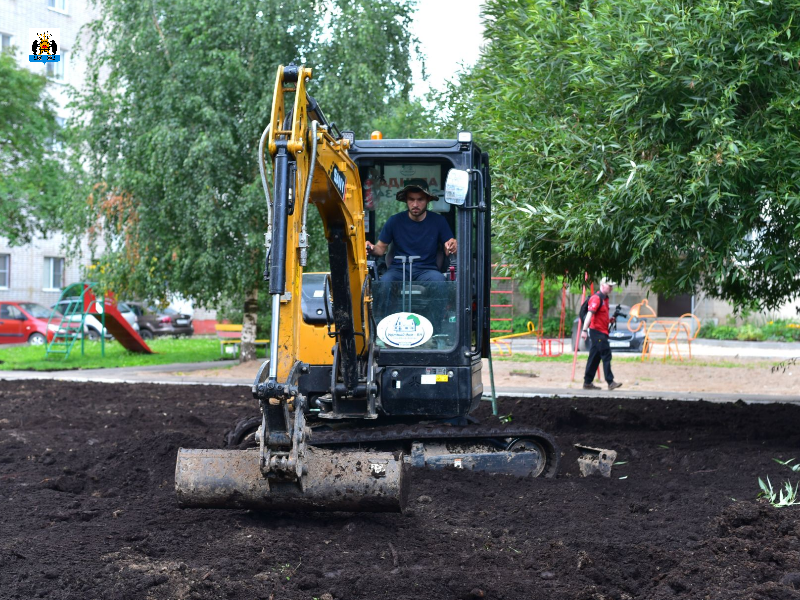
[545,346]
[668,333]
[502,298]
[72,323]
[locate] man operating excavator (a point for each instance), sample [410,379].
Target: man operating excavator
[416,234]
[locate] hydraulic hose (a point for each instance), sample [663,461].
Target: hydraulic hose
[262,170]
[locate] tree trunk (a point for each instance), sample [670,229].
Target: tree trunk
[249,322]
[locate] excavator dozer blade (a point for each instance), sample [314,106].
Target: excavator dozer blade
[335,481]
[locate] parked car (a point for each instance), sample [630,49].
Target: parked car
[94,328]
[155,321]
[22,322]
[129,315]
[621,338]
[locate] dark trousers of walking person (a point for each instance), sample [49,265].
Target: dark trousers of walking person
[599,350]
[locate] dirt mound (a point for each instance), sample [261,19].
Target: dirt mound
[86,486]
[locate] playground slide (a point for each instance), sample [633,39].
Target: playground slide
[115,323]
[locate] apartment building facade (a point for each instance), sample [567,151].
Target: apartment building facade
[40,270]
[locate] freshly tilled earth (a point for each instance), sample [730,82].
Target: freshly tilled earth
[88,508]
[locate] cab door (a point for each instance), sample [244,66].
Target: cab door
[11,324]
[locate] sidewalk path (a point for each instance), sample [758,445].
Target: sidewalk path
[182,374]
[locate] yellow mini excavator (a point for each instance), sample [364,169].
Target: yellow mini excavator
[365,377]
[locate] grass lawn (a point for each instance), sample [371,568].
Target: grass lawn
[167,350]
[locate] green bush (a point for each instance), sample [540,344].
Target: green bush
[750,333]
[550,325]
[520,322]
[707,330]
[781,330]
[724,332]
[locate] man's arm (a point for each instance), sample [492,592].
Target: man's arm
[586,322]
[378,249]
[597,302]
[387,233]
[446,237]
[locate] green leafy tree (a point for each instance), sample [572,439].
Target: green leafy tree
[178,95]
[32,178]
[647,139]
[407,120]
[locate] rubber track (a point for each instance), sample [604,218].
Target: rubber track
[410,433]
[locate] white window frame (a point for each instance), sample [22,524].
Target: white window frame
[57,71]
[60,6]
[5,271]
[3,38]
[49,282]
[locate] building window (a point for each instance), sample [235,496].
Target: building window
[53,273]
[5,41]
[55,70]
[53,142]
[59,5]
[5,264]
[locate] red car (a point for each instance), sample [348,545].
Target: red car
[22,322]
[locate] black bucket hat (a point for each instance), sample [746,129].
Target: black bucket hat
[414,185]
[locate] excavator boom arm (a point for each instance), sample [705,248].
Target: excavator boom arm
[312,167]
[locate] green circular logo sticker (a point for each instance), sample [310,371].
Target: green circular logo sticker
[405,330]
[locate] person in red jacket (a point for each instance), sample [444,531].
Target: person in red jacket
[596,327]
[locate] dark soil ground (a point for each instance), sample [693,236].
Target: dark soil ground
[88,508]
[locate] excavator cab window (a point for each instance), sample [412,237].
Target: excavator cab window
[419,310]
[415,314]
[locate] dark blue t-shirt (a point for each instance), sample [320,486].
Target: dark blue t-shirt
[416,238]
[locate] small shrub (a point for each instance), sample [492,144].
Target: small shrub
[724,332]
[750,333]
[781,330]
[520,322]
[549,324]
[786,496]
[707,330]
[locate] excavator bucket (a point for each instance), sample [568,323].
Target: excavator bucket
[333,481]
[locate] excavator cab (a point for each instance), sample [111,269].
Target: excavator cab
[432,334]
